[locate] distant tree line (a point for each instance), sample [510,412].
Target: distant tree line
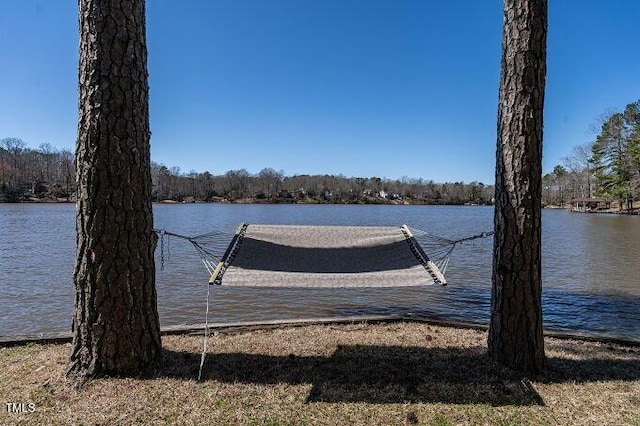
[271,186]
[607,167]
[47,173]
[25,173]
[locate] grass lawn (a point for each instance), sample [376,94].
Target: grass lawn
[353,374]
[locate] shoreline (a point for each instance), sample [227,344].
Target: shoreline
[274,202]
[198,329]
[634,212]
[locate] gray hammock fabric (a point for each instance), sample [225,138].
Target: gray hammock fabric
[325,256]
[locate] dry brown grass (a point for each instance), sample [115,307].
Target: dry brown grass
[388,374]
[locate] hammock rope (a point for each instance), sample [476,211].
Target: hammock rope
[439,248]
[210,246]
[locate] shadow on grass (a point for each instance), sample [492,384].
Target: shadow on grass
[373,374]
[607,363]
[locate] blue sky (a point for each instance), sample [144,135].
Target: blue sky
[359,87]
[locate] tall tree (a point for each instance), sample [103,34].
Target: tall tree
[616,156]
[115,325]
[610,158]
[515,333]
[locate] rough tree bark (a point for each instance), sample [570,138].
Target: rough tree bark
[515,333]
[115,325]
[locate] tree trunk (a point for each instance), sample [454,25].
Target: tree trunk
[115,325]
[515,333]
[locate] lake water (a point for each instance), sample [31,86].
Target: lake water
[591,268]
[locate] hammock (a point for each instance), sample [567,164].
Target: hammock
[323,256]
[320,256]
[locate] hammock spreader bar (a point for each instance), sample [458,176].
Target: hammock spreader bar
[432,268]
[229,255]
